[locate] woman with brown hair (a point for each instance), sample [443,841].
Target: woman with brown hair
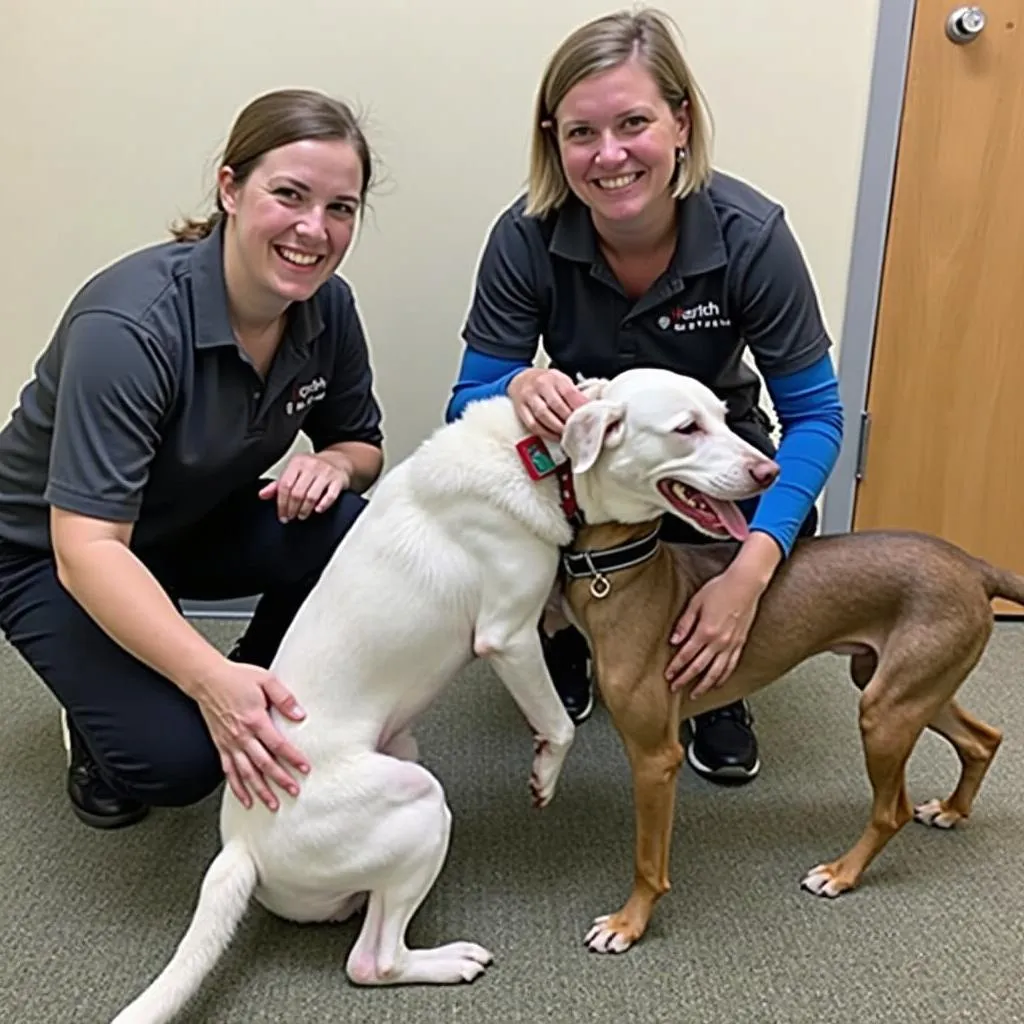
[131,470]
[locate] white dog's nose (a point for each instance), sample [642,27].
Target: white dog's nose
[764,472]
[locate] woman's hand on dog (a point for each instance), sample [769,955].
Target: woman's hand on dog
[712,631]
[716,622]
[235,707]
[544,400]
[309,483]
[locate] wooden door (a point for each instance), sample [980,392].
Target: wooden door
[945,445]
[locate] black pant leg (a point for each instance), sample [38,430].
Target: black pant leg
[243,550]
[148,738]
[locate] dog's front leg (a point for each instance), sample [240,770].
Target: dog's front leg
[649,727]
[519,663]
[654,787]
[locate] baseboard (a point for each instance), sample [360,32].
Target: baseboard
[241,608]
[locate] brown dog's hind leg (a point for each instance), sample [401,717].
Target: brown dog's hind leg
[976,744]
[895,707]
[911,686]
[887,746]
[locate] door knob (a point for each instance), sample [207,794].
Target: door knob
[965,24]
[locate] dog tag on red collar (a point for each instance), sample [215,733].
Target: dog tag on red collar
[534,454]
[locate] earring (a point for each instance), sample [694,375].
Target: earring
[680,154]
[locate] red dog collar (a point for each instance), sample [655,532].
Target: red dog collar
[536,457]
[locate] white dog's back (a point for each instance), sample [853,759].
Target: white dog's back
[393,618]
[418,561]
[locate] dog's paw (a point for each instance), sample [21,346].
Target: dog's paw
[443,965]
[606,935]
[538,795]
[936,814]
[452,963]
[464,951]
[823,881]
[548,758]
[542,786]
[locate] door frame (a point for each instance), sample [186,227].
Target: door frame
[867,258]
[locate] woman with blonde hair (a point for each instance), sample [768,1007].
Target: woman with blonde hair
[132,471]
[629,249]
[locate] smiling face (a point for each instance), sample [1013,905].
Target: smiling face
[290,223]
[618,140]
[653,442]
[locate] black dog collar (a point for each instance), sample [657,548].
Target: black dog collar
[596,565]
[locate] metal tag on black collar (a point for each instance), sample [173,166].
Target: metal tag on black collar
[599,585]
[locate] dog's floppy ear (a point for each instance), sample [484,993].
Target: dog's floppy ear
[591,428]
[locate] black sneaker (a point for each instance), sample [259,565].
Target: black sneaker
[722,746]
[568,660]
[92,800]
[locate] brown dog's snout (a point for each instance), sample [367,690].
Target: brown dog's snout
[764,472]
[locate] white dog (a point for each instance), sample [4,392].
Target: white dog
[454,557]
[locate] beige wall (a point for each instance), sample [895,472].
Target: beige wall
[118,108]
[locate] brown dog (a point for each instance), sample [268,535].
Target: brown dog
[913,611]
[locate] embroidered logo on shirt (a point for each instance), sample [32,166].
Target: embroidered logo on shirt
[304,395]
[693,318]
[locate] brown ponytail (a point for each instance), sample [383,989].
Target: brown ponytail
[194,229]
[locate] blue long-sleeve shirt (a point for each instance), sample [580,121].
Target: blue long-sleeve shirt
[810,415]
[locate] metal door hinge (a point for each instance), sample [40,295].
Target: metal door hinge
[862,444]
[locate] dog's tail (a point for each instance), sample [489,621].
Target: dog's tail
[223,900]
[1002,582]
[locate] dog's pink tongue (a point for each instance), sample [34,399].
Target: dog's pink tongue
[731,516]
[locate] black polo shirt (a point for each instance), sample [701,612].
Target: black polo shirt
[144,408]
[737,279]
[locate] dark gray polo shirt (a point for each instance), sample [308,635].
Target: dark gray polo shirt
[143,408]
[737,279]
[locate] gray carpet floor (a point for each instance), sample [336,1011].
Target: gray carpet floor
[934,933]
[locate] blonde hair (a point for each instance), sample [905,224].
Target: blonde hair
[277,119]
[600,45]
